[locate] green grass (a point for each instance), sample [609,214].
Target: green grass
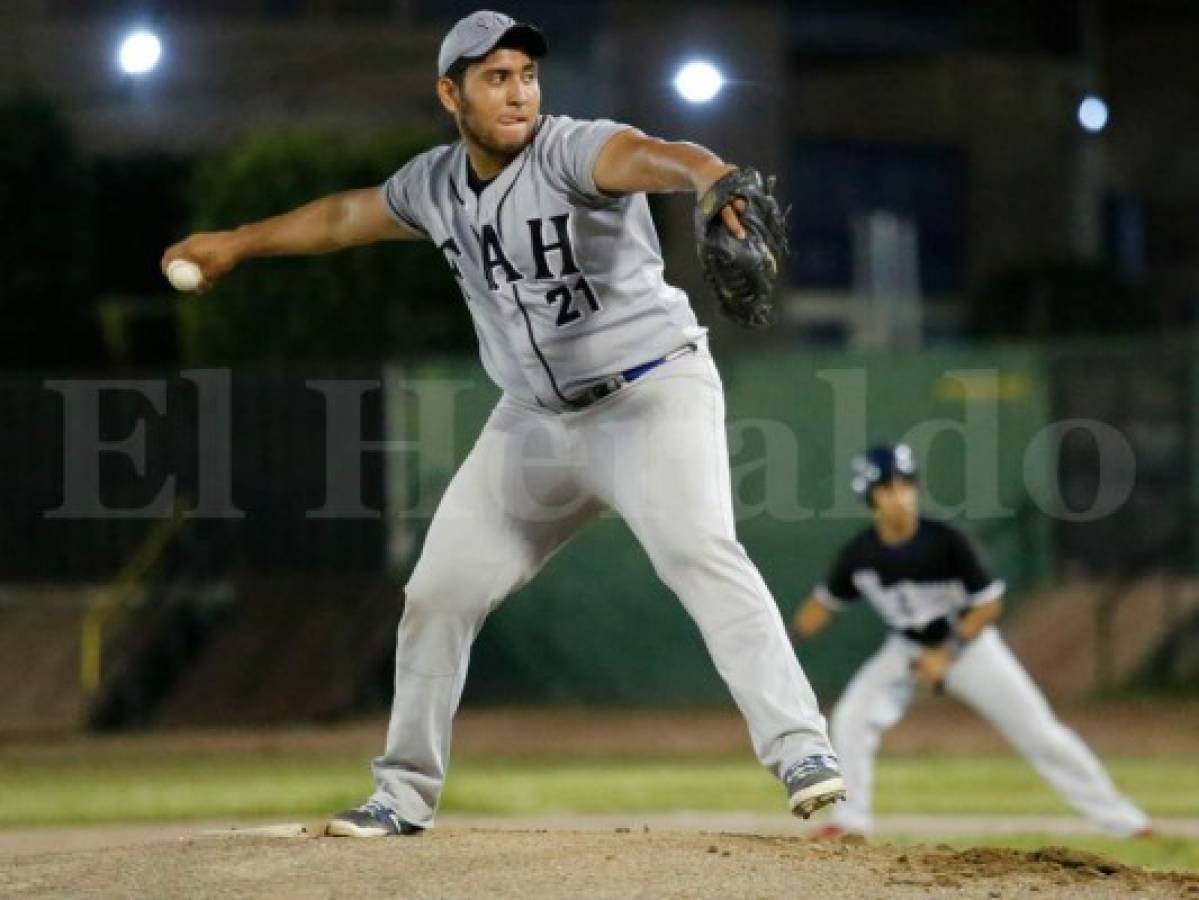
[1008,785]
[120,786]
[177,787]
[953,784]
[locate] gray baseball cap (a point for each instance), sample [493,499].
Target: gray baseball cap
[478,34]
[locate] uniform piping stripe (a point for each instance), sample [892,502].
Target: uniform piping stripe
[992,591]
[536,349]
[454,191]
[395,211]
[499,207]
[499,227]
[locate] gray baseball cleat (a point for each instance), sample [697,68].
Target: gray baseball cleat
[814,783]
[371,819]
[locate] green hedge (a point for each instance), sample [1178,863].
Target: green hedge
[369,303]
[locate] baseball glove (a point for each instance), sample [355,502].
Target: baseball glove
[742,273]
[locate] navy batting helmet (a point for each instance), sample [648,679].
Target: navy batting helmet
[879,465]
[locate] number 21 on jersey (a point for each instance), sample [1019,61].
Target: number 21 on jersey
[573,303]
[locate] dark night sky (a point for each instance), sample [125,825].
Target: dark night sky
[834,27]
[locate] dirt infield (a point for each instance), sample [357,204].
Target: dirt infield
[675,854]
[622,862]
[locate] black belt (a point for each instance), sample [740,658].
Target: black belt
[933,634]
[613,383]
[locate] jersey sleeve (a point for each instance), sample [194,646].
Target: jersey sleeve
[980,585]
[403,193]
[571,149]
[838,589]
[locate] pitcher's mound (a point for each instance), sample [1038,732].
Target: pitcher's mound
[530,865]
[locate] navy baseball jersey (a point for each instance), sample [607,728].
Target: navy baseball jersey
[918,587]
[564,283]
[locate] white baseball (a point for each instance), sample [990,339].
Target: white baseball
[184,275]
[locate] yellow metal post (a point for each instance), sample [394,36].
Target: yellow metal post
[117,597]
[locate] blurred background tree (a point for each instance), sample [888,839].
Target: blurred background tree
[48,252]
[368,303]
[147,193]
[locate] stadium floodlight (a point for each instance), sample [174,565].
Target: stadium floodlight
[698,82]
[139,53]
[1092,114]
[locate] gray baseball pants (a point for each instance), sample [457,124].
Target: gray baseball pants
[654,452]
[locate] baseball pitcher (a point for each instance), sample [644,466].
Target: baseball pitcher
[610,397]
[928,584]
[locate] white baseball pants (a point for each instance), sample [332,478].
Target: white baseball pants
[655,453]
[989,678]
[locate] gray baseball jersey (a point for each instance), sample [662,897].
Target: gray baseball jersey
[564,283]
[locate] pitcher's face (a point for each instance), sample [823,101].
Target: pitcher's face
[498,103]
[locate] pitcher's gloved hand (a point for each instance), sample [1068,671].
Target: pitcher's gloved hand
[742,272]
